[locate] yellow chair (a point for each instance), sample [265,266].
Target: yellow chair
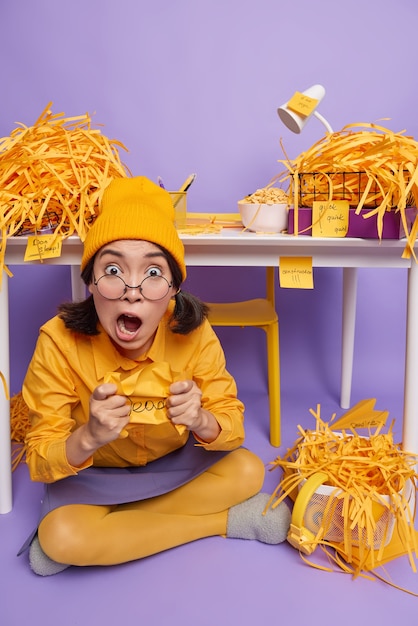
[260,313]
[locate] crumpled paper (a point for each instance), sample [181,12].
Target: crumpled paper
[147,392]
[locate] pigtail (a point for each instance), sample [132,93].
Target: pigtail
[189,313]
[80,317]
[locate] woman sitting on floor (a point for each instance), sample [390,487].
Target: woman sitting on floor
[136,429]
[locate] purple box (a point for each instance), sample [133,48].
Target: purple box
[358,226]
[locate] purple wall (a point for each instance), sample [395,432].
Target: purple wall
[193,86]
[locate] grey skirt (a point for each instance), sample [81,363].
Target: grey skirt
[117,485]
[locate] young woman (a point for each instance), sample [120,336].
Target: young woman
[136,429]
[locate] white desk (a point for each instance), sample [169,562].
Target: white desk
[238,248]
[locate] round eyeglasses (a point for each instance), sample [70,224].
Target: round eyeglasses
[113,287]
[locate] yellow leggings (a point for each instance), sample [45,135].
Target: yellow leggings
[83,534]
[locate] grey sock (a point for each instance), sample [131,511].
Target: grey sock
[246,520]
[40,563]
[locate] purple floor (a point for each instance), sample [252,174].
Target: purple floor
[218,581]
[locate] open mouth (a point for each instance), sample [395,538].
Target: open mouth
[129,325]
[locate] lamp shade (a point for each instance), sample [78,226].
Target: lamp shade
[293,120]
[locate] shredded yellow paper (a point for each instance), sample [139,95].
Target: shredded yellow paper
[52,176]
[367,164]
[367,494]
[209,223]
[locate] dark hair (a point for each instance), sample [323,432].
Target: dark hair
[188,314]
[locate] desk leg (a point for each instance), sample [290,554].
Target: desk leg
[5,443]
[410,415]
[348,332]
[78,288]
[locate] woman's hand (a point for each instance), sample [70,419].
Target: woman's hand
[109,414]
[184,407]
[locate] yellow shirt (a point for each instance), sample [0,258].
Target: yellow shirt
[65,369]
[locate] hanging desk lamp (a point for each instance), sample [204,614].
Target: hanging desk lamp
[301,107]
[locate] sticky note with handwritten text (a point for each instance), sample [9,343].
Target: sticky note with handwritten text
[43,247]
[330,219]
[296,272]
[302,104]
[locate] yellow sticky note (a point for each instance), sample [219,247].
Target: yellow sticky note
[362,415]
[296,272]
[330,219]
[43,247]
[302,104]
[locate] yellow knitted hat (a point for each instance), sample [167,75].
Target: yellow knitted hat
[135,208]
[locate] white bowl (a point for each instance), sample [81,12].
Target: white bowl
[263,218]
